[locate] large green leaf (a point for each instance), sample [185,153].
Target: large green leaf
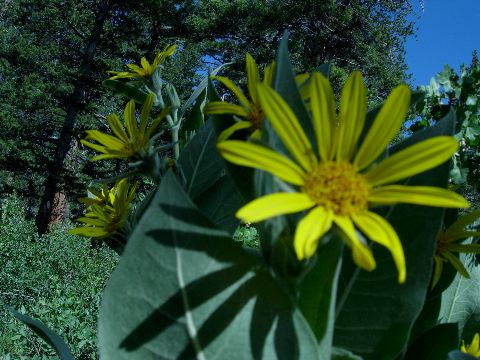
[197,93]
[241,176]
[318,293]
[200,162]
[286,86]
[46,334]
[461,301]
[184,290]
[374,313]
[206,179]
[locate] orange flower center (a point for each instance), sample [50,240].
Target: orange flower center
[255,116]
[337,187]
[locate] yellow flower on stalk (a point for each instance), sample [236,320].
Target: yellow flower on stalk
[449,242]
[338,185]
[107,216]
[250,111]
[100,197]
[472,349]
[128,142]
[147,69]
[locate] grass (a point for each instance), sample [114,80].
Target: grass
[56,278]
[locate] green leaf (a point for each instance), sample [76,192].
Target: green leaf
[200,162]
[206,180]
[241,176]
[220,203]
[194,120]
[375,314]
[197,93]
[434,344]
[46,334]
[318,293]
[286,86]
[184,290]
[461,301]
[128,89]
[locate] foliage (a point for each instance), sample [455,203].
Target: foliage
[42,48]
[460,92]
[197,293]
[56,278]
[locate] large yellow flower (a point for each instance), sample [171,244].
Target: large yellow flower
[251,111]
[129,142]
[107,215]
[449,243]
[147,69]
[474,348]
[336,186]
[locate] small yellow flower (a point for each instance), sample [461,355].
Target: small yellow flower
[336,186]
[130,143]
[472,349]
[147,69]
[107,216]
[251,111]
[449,242]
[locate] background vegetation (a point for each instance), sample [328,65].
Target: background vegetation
[53,58]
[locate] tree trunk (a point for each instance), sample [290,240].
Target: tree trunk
[53,204]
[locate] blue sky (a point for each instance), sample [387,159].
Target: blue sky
[448,32]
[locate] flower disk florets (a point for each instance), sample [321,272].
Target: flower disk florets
[337,187]
[256,116]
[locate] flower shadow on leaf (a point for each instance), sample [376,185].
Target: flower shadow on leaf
[222,297]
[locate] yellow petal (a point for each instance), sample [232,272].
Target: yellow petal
[362,256]
[117,128]
[386,125]
[135,68]
[91,221]
[163,55]
[413,160]
[286,125]
[220,107]
[322,103]
[108,156]
[253,77]
[273,205]
[269,73]
[309,231]
[234,89]
[456,263]
[225,134]
[153,126]
[145,113]
[379,230]
[130,120]
[418,195]
[95,147]
[353,109]
[461,223]
[437,273]
[300,79]
[109,141]
[464,248]
[145,64]
[263,158]
[461,234]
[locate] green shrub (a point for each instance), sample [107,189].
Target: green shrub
[56,278]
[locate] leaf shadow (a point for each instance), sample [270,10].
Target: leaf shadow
[245,283]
